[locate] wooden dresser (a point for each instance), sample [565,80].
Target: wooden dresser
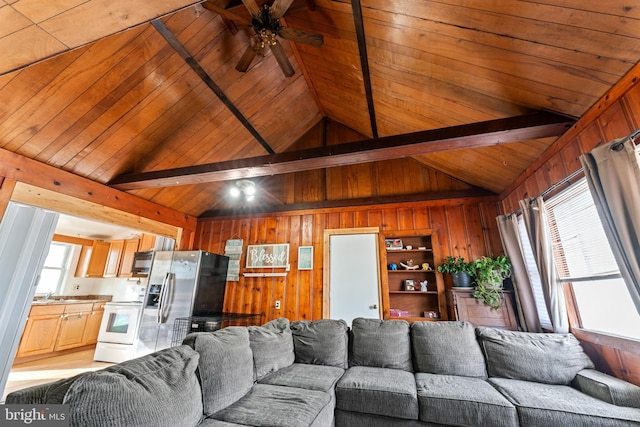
[463,306]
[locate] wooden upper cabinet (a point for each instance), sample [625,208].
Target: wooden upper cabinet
[93,260]
[147,242]
[129,249]
[113,258]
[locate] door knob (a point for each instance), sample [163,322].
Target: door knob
[374,307]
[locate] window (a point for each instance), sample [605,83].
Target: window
[584,259]
[55,269]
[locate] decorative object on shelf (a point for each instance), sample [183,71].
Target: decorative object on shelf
[305,258]
[394,312]
[409,265]
[490,274]
[423,286]
[409,285]
[431,314]
[393,244]
[408,247]
[426,266]
[393,267]
[461,271]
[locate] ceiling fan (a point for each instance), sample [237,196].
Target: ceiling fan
[265,22]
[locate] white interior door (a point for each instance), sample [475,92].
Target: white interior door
[354,283]
[25,235]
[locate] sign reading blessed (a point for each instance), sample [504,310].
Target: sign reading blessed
[268,256]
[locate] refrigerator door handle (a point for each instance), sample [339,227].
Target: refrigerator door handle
[171,282]
[163,292]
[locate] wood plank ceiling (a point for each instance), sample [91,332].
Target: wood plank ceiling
[98,91]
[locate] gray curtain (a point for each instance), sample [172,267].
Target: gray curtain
[613,174]
[508,228]
[535,219]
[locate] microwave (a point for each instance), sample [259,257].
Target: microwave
[141,264]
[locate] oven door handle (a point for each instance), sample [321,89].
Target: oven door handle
[163,293]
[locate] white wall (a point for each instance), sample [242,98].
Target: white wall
[121,289]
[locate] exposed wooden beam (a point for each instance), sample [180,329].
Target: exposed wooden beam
[481,134]
[24,170]
[361,201]
[364,62]
[195,66]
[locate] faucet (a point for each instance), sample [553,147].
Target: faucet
[47,296]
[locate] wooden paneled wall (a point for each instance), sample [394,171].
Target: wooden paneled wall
[465,227]
[616,115]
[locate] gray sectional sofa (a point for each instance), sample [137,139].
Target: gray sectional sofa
[377,373]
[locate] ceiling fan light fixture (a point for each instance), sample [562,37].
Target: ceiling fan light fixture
[243,188]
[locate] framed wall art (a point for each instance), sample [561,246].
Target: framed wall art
[305,258]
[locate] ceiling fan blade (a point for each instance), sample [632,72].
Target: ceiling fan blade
[247,57]
[252,6]
[300,36]
[279,8]
[209,5]
[281,57]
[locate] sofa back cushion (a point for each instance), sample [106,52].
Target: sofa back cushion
[272,347]
[322,342]
[543,358]
[226,366]
[159,389]
[380,344]
[447,348]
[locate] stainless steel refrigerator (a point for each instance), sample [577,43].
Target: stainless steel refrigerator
[181,284]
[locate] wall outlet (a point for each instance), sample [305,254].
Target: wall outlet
[277,304]
[77,287]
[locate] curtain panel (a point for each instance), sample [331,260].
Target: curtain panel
[613,174]
[524,295]
[535,219]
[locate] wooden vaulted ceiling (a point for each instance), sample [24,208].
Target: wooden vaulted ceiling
[96,90]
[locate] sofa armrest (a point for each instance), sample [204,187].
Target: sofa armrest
[49,393]
[607,388]
[31,395]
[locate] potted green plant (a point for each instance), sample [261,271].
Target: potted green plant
[461,271]
[490,274]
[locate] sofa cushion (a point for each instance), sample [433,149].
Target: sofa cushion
[159,389]
[458,400]
[607,388]
[270,405]
[310,377]
[380,391]
[226,365]
[272,347]
[381,344]
[447,348]
[322,342]
[544,358]
[559,405]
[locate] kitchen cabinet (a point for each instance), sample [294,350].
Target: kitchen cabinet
[92,328]
[113,258]
[93,260]
[120,258]
[407,299]
[41,330]
[147,242]
[73,325]
[129,249]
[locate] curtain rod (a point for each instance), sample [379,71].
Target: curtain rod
[580,171]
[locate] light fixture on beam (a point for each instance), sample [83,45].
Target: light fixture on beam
[243,188]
